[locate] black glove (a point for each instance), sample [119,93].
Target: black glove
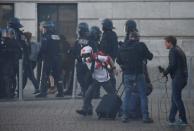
[161,69]
[121,43]
[165,73]
[185,83]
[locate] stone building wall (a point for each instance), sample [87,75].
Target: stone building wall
[155,19]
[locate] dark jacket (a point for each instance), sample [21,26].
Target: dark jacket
[131,56]
[9,55]
[33,49]
[79,44]
[177,63]
[94,44]
[109,43]
[50,47]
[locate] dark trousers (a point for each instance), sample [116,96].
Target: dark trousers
[6,84]
[29,73]
[38,71]
[81,74]
[87,106]
[178,83]
[113,80]
[54,68]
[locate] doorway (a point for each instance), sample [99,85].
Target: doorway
[63,15]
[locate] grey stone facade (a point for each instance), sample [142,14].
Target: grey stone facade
[155,18]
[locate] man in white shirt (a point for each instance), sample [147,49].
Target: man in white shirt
[98,64]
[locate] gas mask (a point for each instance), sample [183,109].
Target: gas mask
[86,58]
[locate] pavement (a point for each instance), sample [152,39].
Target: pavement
[52,114]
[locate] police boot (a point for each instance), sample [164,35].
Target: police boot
[60,89]
[148,120]
[60,95]
[84,112]
[67,92]
[41,95]
[36,91]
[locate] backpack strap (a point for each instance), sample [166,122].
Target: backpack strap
[92,66]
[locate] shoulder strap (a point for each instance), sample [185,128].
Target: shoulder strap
[92,66]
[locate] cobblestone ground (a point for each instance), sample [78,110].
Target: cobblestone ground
[59,115]
[53,114]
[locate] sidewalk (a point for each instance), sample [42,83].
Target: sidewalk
[59,115]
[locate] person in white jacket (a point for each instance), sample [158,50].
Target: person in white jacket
[99,65]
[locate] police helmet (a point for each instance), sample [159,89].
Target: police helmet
[7,33]
[95,32]
[83,28]
[0,33]
[130,26]
[49,25]
[107,24]
[15,23]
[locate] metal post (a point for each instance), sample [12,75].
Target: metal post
[20,79]
[74,81]
[41,73]
[190,77]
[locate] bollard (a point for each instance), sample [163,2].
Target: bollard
[20,79]
[41,73]
[74,81]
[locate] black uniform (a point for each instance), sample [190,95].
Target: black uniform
[94,38]
[8,59]
[50,54]
[109,43]
[81,67]
[93,43]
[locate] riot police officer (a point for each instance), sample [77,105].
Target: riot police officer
[94,42]
[109,40]
[8,59]
[109,43]
[94,38]
[81,42]
[18,36]
[15,24]
[50,54]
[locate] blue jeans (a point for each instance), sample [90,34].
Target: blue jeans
[129,81]
[178,83]
[135,106]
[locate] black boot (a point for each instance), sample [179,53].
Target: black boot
[67,92]
[84,113]
[60,95]
[148,120]
[41,95]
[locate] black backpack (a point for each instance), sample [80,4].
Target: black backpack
[130,55]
